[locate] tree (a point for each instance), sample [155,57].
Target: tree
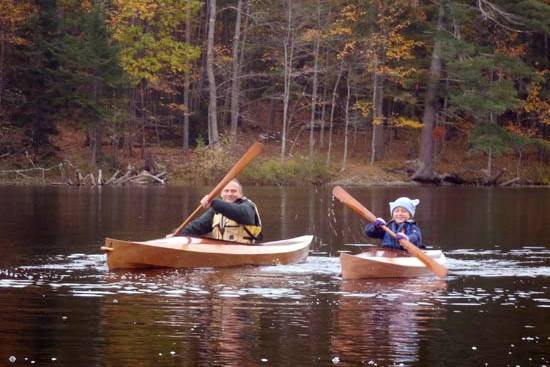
[37,79]
[235,72]
[153,49]
[490,139]
[90,69]
[425,171]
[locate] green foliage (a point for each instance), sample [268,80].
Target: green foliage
[200,143]
[292,171]
[34,77]
[486,85]
[490,138]
[90,68]
[211,163]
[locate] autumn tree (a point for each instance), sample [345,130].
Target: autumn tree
[153,48]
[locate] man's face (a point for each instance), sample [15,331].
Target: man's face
[231,192]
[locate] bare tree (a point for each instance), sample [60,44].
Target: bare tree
[213,135]
[332,110]
[377,143]
[348,96]
[315,80]
[288,46]
[186,85]
[236,71]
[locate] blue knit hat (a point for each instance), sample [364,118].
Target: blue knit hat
[404,202]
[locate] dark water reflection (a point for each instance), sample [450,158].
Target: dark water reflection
[60,306]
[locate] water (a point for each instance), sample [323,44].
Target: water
[61,306]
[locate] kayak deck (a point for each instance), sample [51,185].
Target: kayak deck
[386,263]
[192,252]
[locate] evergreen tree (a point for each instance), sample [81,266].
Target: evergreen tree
[93,80]
[37,79]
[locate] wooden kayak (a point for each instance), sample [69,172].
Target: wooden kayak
[379,262]
[194,252]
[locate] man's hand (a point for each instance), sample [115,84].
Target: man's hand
[205,203]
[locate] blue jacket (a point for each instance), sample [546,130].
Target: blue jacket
[409,227]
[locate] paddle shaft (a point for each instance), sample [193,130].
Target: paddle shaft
[357,207]
[241,164]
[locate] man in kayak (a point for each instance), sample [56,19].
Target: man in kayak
[231,218]
[402,224]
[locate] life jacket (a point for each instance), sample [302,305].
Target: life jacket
[227,229]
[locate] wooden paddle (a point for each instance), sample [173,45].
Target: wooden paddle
[357,207]
[250,154]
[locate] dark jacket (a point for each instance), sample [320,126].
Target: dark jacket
[241,211]
[409,228]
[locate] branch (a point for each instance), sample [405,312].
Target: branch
[493,12]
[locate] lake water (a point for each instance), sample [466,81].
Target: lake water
[60,306]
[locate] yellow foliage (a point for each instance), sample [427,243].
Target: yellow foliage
[406,122]
[351,13]
[378,120]
[12,14]
[340,31]
[310,35]
[363,107]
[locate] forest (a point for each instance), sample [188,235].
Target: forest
[97,91]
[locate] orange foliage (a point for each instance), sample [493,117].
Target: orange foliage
[536,105]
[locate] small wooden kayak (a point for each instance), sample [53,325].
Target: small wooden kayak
[379,262]
[194,252]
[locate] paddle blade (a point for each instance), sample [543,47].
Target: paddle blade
[433,265]
[342,195]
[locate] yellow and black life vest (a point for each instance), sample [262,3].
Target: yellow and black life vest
[227,229]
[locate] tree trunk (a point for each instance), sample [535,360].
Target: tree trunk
[345,158]
[332,108]
[213,135]
[92,142]
[186,85]
[425,170]
[315,81]
[235,72]
[2,53]
[377,143]
[288,61]
[143,118]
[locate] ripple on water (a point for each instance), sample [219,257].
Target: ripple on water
[85,275]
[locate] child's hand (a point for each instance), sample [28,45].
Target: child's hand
[401,236]
[379,222]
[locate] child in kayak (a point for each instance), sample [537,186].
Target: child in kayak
[402,211]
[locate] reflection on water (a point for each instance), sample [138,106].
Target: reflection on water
[381,321]
[60,304]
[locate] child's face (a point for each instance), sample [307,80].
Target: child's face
[401,215]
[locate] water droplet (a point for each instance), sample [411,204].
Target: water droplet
[12,359]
